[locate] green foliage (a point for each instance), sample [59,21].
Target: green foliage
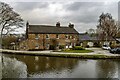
[96,45]
[52,47]
[77,51]
[6,41]
[87,46]
[61,47]
[78,48]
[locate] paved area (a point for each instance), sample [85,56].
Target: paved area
[101,51]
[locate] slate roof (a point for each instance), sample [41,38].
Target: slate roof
[47,29]
[87,37]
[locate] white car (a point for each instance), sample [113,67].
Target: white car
[106,47]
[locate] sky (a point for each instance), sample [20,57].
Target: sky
[83,14]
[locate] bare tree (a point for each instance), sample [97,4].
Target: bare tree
[9,18]
[107,26]
[91,32]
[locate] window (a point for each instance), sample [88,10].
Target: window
[74,44]
[47,36]
[57,36]
[58,44]
[36,46]
[74,38]
[47,45]
[70,37]
[36,36]
[67,45]
[70,46]
[66,36]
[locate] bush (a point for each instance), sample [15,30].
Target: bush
[61,47]
[87,46]
[52,47]
[78,48]
[96,45]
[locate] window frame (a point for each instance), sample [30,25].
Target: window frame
[57,36]
[37,36]
[47,36]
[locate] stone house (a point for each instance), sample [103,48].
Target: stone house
[45,37]
[87,40]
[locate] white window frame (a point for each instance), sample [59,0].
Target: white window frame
[37,36]
[47,45]
[37,46]
[66,36]
[57,36]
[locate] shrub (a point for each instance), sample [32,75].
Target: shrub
[96,45]
[87,46]
[52,47]
[61,47]
[78,48]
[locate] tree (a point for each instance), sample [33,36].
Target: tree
[54,43]
[91,31]
[107,26]
[8,40]
[9,19]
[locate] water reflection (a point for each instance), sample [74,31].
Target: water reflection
[54,67]
[46,64]
[107,68]
[0,67]
[13,68]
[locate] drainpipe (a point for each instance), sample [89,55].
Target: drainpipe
[43,42]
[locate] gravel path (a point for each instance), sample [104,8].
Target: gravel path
[101,51]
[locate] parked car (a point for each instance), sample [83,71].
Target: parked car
[115,50]
[106,47]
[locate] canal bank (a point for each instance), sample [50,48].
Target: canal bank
[16,66]
[63,54]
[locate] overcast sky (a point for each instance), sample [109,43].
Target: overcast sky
[83,15]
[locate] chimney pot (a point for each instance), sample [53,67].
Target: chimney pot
[71,25]
[58,24]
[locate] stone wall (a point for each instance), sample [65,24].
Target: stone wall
[39,41]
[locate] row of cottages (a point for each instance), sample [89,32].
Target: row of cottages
[45,37]
[88,40]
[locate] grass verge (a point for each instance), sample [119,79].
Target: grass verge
[78,51]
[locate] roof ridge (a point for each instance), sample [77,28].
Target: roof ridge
[48,26]
[42,25]
[51,29]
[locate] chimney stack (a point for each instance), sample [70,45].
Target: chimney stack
[71,25]
[58,24]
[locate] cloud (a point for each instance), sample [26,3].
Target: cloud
[82,5]
[25,6]
[83,14]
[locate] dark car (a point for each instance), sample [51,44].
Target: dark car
[115,50]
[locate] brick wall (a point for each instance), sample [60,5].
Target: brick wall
[39,41]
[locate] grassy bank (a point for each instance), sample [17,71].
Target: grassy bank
[78,51]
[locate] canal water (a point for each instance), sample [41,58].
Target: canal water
[24,66]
